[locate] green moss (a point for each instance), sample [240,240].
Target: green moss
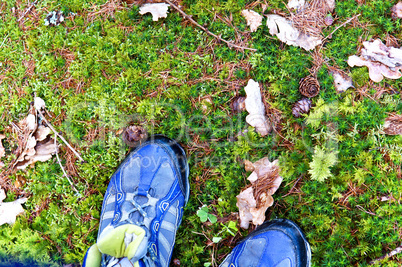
[98,74]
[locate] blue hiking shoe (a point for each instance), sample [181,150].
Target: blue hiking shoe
[276,243]
[143,207]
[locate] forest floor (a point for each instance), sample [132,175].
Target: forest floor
[106,66]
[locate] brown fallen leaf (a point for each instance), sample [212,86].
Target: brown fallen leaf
[35,142]
[393,125]
[158,10]
[42,132]
[397,11]
[254,20]
[255,199]
[42,151]
[287,33]
[296,4]
[29,150]
[256,109]
[19,181]
[342,81]
[10,210]
[28,124]
[377,71]
[381,60]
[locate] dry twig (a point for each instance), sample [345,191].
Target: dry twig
[26,11]
[58,135]
[392,253]
[230,44]
[340,26]
[62,168]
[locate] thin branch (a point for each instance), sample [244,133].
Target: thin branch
[26,11]
[291,189]
[4,41]
[337,28]
[365,211]
[58,135]
[392,253]
[230,44]
[62,168]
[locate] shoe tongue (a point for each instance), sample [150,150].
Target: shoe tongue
[123,241]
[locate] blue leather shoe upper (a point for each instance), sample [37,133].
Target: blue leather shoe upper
[277,243]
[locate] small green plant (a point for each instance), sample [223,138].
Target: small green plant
[204,215]
[322,161]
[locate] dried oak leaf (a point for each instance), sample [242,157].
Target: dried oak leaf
[28,124]
[37,151]
[393,125]
[330,5]
[397,11]
[254,20]
[342,81]
[296,4]
[381,60]
[287,33]
[39,103]
[10,210]
[158,10]
[254,200]
[256,109]
[42,132]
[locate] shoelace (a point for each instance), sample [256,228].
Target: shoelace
[151,201]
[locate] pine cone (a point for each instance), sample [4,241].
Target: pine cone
[238,104]
[393,125]
[133,135]
[309,86]
[301,107]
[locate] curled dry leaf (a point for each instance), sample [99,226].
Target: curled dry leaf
[397,10]
[10,210]
[256,109]
[36,151]
[28,124]
[254,20]
[393,125]
[158,10]
[39,103]
[330,5]
[42,132]
[296,4]
[287,33]
[381,60]
[254,200]
[342,81]
[37,144]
